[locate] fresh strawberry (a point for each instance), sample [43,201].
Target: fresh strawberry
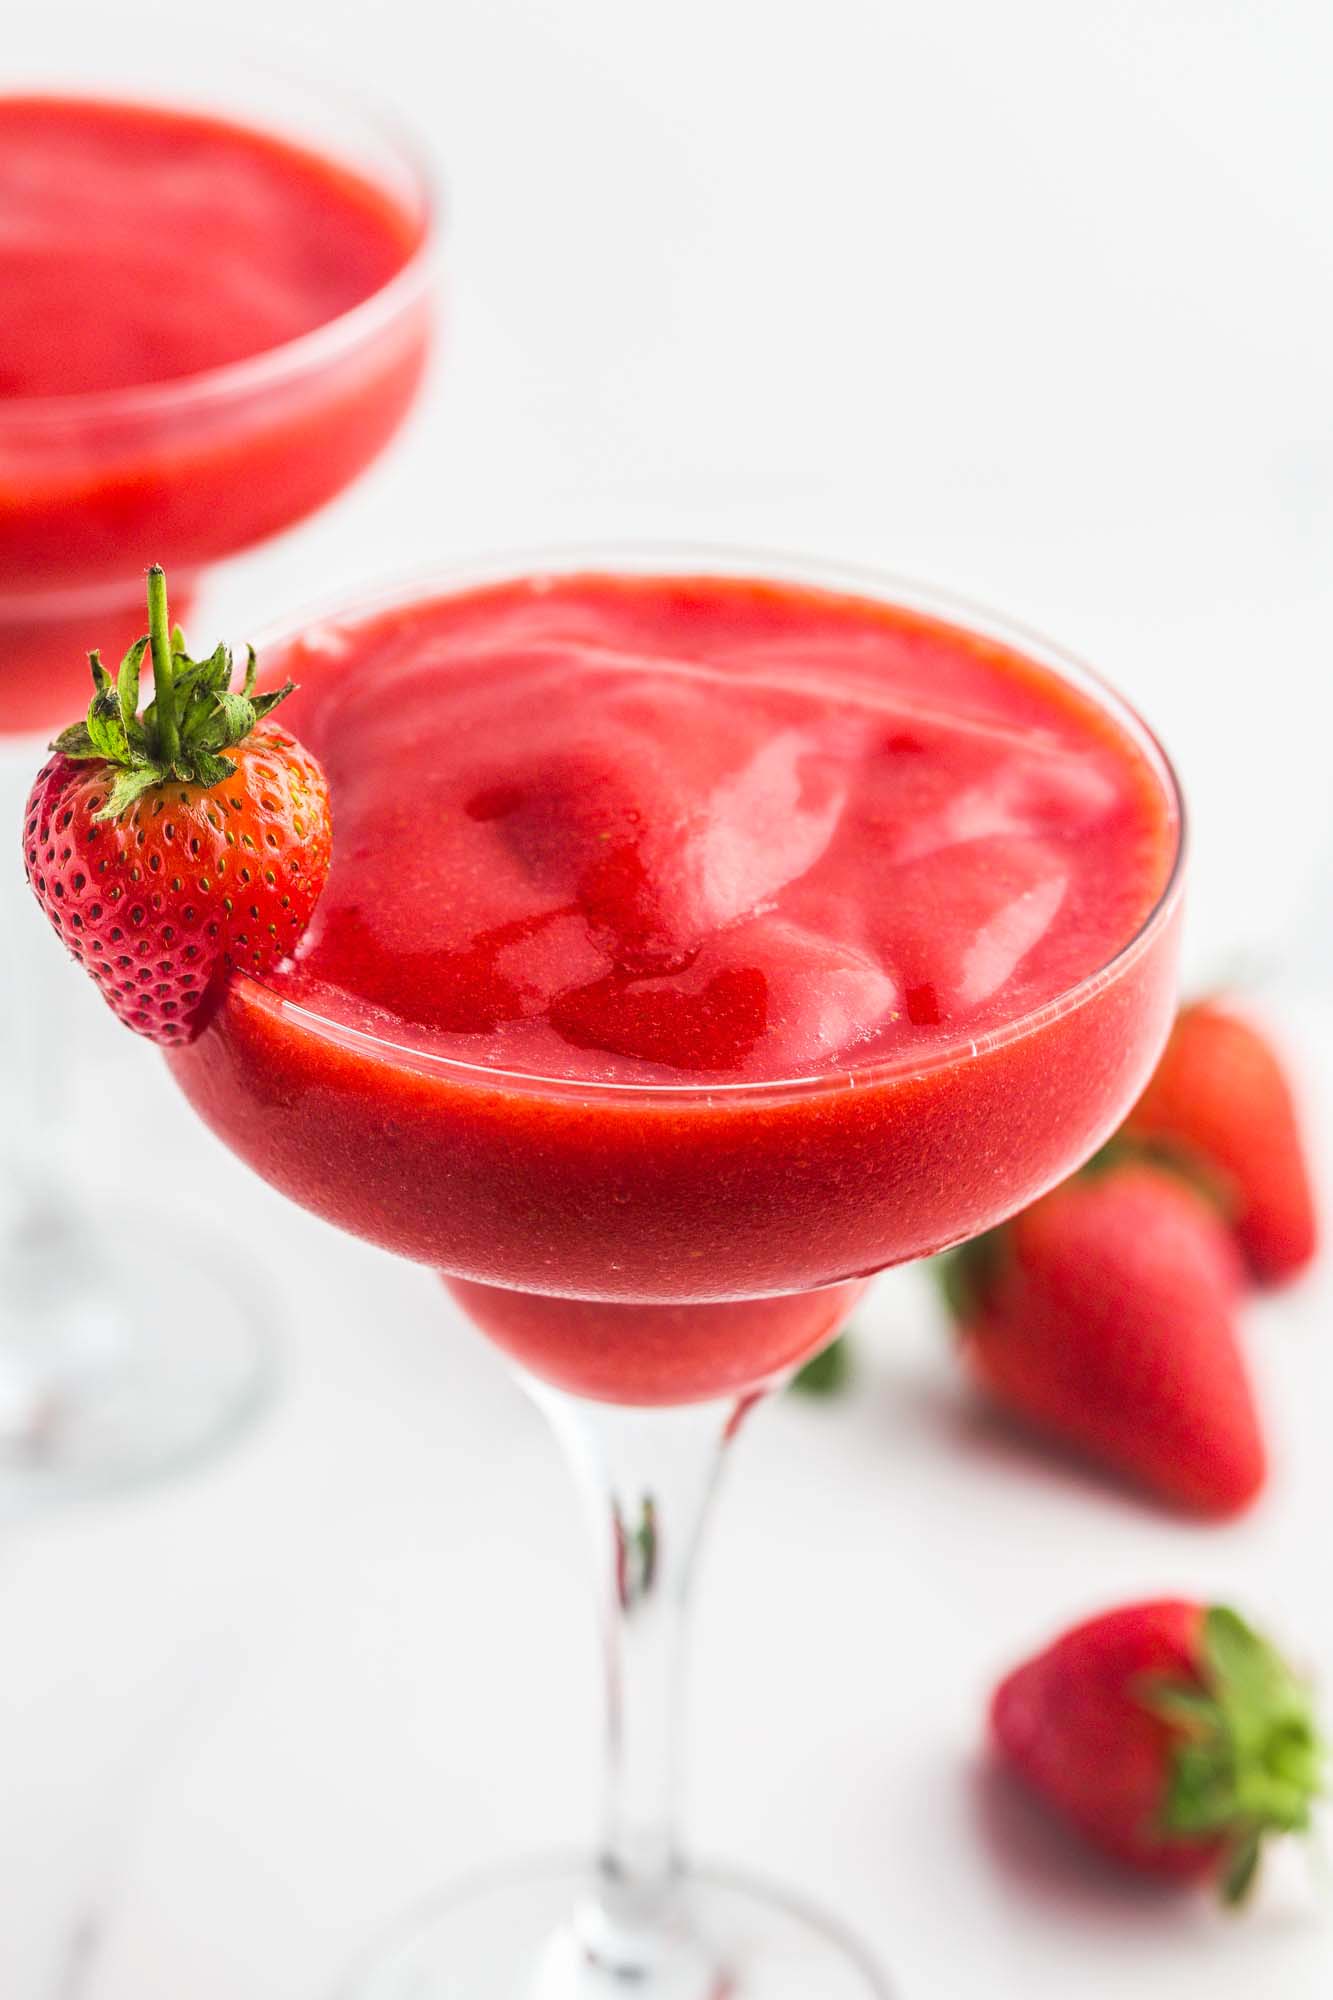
[1221,1102]
[1170,1735]
[170,847]
[1104,1316]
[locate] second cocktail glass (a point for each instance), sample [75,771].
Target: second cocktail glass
[97,479]
[704,934]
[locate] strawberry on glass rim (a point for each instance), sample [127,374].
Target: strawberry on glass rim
[166,848]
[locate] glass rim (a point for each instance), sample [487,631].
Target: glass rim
[668,559]
[304,352]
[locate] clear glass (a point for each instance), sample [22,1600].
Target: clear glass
[93,1390]
[637,1917]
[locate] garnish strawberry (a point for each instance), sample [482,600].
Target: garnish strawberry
[1221,1104]
[1104,1316]
[169,847]
[1170,1735]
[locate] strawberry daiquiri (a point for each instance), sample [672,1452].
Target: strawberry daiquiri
[208,331]
[693,945]
[695,940]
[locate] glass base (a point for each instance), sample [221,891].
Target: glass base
[113,1372]
[520,1936]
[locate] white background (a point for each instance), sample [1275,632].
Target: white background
[1032,299]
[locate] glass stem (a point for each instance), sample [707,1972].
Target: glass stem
[648,1477]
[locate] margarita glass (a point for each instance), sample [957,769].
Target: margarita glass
[219,303]
[703,935]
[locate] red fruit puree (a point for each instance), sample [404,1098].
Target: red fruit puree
[141,248]
[694,940]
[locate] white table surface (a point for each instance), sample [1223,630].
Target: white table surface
[1034,300]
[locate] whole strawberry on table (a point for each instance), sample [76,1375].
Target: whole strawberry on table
[1106,1315]
[1219,1108]
[1169,1735]
[168,847]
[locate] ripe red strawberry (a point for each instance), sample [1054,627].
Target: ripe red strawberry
[1170,1735]
[1221,1102]
[169,847]
[1103,1315]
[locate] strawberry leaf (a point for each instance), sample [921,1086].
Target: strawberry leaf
[1247,1760]
[264,704]
[828,1374]
[208,676]
[210,769]
[105,726]
[1192,1710]
[237,712]
[76,743]
[1241,1871]
[127,787]
[216,675]
[127,684]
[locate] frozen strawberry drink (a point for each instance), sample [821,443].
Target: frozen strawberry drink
[693,945]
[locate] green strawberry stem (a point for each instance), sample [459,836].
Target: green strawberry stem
[1247,1760]
[195,715]
[159,640]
